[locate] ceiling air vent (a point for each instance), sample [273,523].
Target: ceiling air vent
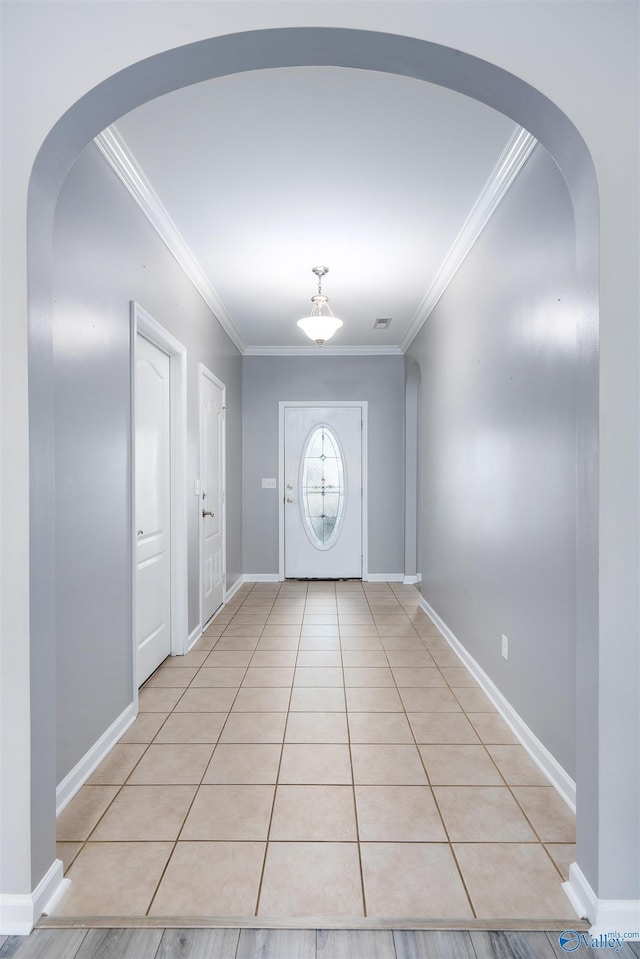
[382,323]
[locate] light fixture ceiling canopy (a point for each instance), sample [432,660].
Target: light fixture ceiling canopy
[321,324]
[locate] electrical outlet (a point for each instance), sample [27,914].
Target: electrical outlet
[505,647]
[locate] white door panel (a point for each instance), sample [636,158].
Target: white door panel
[211,504]
[152,507]
[323,492]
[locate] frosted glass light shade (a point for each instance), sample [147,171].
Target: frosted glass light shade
[319,328]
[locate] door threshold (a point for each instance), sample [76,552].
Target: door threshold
[311,922]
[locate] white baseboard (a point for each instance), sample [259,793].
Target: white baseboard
[91,759]
[230,593]
[19,914]
[541,756]
[194,636]
[383,578]
[261,578]
[608,917]
[409,580]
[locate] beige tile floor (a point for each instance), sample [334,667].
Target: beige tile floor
[320,753]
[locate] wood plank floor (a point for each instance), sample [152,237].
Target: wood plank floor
[140,943]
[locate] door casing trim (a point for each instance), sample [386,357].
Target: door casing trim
[143,323]
[205,371]
[364,409]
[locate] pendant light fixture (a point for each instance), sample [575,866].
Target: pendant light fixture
[320,326]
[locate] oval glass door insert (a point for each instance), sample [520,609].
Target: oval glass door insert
[323,490]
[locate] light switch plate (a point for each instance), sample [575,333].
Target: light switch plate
[268,484]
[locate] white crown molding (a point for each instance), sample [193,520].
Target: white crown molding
[513,158]
[541,756]
[324,350]
[119,157]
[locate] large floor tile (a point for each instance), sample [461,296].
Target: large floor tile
[194,658]
[311,879]
[368,676]
[258,727]
[158,699]
[207,699]
[482,814]
[219,676]
[278,642]
[317,727]
[114,879]
[249,763]
[318,676]
[67,852]
[268,676]
[320,657]
[172,764]
[262,699]
[191,728]
[433,699]
[491,728]
[272,658]
[224,813]
[398,814]
[423,676]
[326,764]
[473,700]
[144,728]
[177,678]
[460,766]
[362,643]
[228,658]
[379,727]
[317,699]
[147,813]
[563,854]
[490,872]
[211,879]
[80,816]
[442,728]
[547,812]
[383,699]
[516,766]
[364,657]
[458,676]
[116,766]
[408,658]
[313,814]
[387,765]
[417,880]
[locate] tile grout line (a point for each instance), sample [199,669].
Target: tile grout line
[277,782]
[430,787]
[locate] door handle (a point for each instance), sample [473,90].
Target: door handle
[207,512]
[140,532]
[289,500]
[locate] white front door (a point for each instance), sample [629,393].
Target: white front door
[211,504]
[323,492]
[152,506]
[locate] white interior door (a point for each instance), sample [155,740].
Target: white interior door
[152,506]
[211,507]
[323,492]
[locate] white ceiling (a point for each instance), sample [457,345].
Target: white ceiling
[266,174]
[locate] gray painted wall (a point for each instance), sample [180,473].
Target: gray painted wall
[377,379]
[498,459]
[106,254]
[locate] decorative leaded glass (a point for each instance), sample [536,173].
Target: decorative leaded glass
[322,487]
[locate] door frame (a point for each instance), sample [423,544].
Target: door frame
[204,371]
[143,323]
[334,404]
